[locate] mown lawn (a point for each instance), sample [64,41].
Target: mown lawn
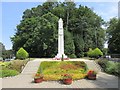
[53,70]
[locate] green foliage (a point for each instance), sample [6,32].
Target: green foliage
[113,68]
[90,53]
[22,54]
[79,46]
[110,67]
[38,29]
[102,63]
[17,65]
[95,53]
[2,48]
[14,65]
[7,54]
[72,56]
[54,70]
[4,65]
[12,68]
[7,73]
[67,76]
[105,51]
[69,44]
[113,32]
[46,64]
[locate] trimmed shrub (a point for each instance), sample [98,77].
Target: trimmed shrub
[90,52]
[22,53]
[96,53]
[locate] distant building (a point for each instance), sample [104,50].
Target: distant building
[119,9]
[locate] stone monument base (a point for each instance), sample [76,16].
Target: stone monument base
[59,57]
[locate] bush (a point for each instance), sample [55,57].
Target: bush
[22,54]
[105,51]
[110,67]
[12,68]
[7,73]
[4,64]
[80,54]
[96,53]
[17,65]
[102,63]
[72,56]
[90,52]
[113,68]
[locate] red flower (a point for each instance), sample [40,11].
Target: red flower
[67,76]
[38,75]
[90,72]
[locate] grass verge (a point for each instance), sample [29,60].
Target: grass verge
[12,68]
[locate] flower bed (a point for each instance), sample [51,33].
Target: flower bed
[53,70]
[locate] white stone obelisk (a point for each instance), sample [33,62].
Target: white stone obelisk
[60,40]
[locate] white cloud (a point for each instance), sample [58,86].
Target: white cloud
[108,12]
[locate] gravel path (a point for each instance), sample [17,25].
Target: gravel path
[25,79]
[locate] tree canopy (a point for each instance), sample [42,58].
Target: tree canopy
[38,30]
[113,33]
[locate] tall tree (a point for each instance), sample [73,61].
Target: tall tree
[69,44]
[37,35]
[38,30]
[86,26]
[113,32]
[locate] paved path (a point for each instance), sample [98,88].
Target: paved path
[25,79]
